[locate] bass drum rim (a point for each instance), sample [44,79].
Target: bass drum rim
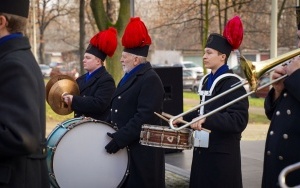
[62,132]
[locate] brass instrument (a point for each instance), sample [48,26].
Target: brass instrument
[252,74]
[285,172]
[56,87]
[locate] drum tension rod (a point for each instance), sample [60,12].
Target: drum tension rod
[148,135]
[162,137]
[178,139]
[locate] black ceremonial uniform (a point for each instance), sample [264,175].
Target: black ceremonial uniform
[219,165]
[133,104]
[283,138]
[22,122]
[95,95]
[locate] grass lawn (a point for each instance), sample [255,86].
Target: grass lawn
[257,103]
[253,118]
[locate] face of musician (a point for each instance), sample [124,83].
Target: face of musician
[212,59]
[91,62]
[129,61]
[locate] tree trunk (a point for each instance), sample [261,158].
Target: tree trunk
[113,64]
[81,34]
[42,49]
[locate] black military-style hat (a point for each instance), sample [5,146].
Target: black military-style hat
[219,43]
[16,7]
[230,40]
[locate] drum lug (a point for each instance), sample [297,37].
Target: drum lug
[52,175]
[71,126]
[52,148]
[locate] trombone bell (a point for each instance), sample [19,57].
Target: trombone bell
[253,72]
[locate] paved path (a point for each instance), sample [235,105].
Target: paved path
[252,162]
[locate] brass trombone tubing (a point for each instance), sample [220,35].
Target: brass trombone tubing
[285,172]
[243,82]
[252,73]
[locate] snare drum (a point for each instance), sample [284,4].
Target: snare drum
[76,156]
[164,137]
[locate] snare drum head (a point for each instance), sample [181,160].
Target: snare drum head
[81,161]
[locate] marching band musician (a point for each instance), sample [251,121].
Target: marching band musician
[138,95]
[282,107]
[22,104]
[216,157]
[97,85]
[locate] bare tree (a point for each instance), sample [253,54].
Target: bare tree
[103,22]
[173,25]
[49,11]
[82,33]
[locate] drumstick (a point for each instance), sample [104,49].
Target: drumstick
[182,121]
[162,117]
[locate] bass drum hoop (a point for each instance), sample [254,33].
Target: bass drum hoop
[56,145]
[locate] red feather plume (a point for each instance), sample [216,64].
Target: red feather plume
[106,41]
[234,31]
[135,34]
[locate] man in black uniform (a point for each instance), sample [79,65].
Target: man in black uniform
[22,103]
[97,85]
[282,107]
[138,95]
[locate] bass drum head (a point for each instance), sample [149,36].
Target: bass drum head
[81,161]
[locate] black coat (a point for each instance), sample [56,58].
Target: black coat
[95,95]
[283,138]
[132,106]
[219,165]
[22,122]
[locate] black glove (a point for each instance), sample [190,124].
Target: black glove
[110,135]
[112,146]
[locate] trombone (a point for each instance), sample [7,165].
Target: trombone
[285,172]
[252,74]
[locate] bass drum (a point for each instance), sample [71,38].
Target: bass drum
[76,157]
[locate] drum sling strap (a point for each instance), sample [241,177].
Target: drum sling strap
[201,138]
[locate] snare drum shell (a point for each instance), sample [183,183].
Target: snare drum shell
[164,137]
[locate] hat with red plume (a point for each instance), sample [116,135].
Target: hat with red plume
[231,39]
[103,44]
[136,39]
